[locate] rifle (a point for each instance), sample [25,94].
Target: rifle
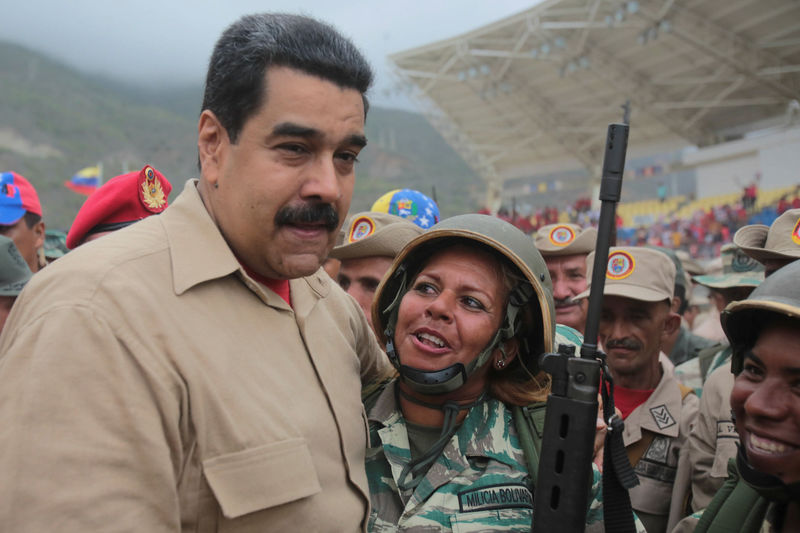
[565,465]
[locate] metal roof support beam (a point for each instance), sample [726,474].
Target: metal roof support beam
[740,55]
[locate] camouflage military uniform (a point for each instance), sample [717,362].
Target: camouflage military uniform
[769,525]
[479,483]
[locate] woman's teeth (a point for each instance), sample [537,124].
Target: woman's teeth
[431,339]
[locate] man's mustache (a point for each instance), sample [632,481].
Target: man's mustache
[626,343]
[324,214]
[565,302]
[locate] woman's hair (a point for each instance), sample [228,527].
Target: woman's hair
[517,384]
[521,382]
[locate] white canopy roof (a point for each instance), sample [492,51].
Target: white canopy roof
[537,89]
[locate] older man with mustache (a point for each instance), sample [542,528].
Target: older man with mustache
[198,371]
[658,411]
[564,248]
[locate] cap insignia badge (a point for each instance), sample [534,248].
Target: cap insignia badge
[152,194]
[620,265]
[561,235]
[796,232]
[361,228]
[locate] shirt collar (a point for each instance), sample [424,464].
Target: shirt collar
[199,252]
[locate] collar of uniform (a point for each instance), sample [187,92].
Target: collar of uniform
[198,251]
[665,397]
[385,411]
[481,434]
[486,431]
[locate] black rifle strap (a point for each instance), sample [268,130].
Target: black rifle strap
[618,476]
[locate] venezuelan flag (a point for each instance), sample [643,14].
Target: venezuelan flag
[85,181]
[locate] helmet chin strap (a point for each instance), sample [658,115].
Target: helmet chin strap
[454,376]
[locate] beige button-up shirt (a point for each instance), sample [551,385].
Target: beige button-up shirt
[148,384]
[670,417]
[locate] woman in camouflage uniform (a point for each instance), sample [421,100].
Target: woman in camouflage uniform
[465,310]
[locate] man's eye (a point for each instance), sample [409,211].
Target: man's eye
[344,282]
[293,148]
[349,157]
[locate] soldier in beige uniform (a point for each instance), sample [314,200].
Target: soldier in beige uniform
[198,371]
[714,440]
[658,411]
[370,242]
[564,248]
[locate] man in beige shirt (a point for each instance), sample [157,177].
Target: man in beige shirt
[564,248]
[197,371]
[658,412]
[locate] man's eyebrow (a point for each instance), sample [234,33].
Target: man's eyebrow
[290,129]
[356,140]
[788,369]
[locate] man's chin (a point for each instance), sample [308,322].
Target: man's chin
[571,316]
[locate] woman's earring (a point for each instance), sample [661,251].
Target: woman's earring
[501,363]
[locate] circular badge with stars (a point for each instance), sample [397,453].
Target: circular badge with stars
[361,228]
[796,232]
[620,265]
[561,235]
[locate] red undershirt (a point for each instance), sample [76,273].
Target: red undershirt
[278,286]
[626,400]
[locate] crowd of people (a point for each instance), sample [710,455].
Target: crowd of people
[250,358]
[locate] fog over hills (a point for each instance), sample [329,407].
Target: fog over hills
[55,120]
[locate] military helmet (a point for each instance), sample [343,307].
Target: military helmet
[497,235]
[743,320]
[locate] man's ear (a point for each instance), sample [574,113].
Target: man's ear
[39,231]
[211,137]
[671,324]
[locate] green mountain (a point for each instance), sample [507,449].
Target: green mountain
[55,120]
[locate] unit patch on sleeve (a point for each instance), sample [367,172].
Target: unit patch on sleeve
[505,496]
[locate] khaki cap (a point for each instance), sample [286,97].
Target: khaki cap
[14,271]
[565,239]
[370,234]
[781,240]
[738,270]
[690,265]
[635,272]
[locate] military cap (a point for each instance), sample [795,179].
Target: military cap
[17,196]
[738,270]
[55,244]
[781,240]
[779,294]
[14,271]
[121,201]
[635,272]
[565,239]
[690,265]
[369,234]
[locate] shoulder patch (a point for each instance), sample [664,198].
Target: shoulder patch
[726,429]
[662,416]
[505,496]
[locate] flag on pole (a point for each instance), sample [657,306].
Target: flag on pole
[85,181]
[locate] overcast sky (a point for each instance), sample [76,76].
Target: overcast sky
[168,42]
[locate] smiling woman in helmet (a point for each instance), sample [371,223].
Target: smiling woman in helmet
[464,311]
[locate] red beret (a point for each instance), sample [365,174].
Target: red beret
[121,201]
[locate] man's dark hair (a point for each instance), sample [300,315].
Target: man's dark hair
[235,83]
[31,219]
